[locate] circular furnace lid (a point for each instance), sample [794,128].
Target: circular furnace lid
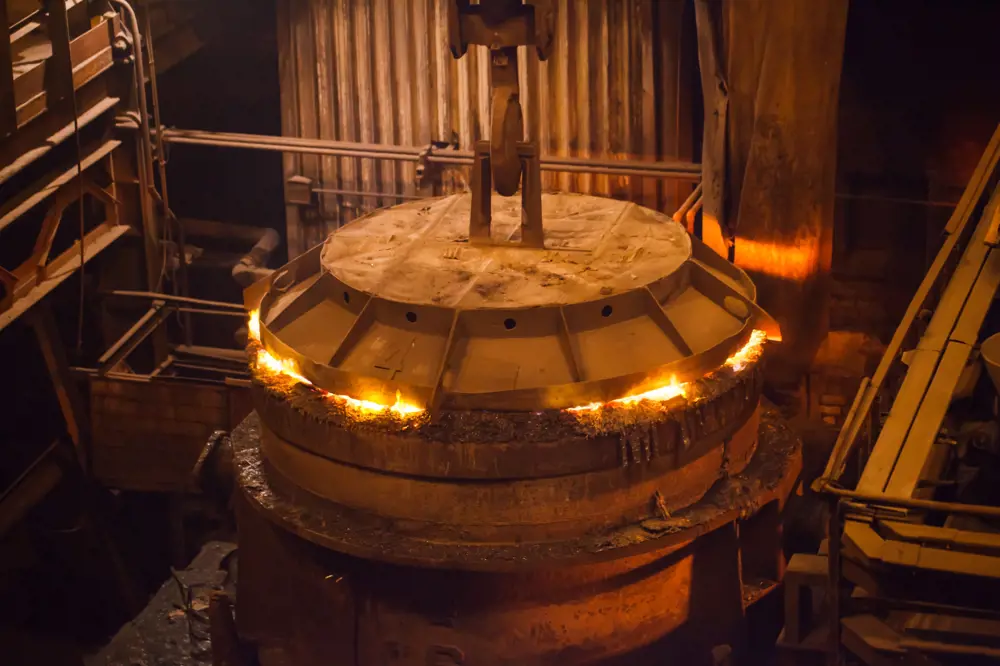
[420,253]
[399,303]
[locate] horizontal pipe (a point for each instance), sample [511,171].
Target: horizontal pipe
[673,169]
[359,193]
[146,379]
[913,503]
[252,265]
[303,150]
[171,298]
[214,353]
[637,165]
[214,313]
[231,138]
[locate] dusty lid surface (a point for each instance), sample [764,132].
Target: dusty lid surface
[420,252]
[399,305]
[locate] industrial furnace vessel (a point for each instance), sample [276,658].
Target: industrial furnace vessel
[500,452]
[523,429]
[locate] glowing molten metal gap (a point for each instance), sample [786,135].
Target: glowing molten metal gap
[737,362]
[749,352]
[661,394]
[290,369]
[673,389]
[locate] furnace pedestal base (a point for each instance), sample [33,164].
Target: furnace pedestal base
[675,586]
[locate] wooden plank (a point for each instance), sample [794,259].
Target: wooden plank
[96,243]
[90,54]
[868,636]
[30,155]
[863,538]
[963,540]
[70,402]
[8,108]
[46,187]
[133,337]
[983,178]
[904,554]
[32,486]
[949,649]
[912,462]
[915,455]
[960,286]
[906,413]
[973,630]
[911,394]
[58,67]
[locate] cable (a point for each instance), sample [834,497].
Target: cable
[79,204]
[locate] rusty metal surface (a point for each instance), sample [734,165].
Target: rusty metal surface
[667,587]
[768,476]
[616,85]
[329,608]
[506,445]
[523,511]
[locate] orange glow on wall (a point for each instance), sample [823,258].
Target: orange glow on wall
[793,262]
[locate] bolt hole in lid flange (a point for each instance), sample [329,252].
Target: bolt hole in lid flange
[399,303]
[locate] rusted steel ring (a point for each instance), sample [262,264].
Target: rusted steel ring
[544,444]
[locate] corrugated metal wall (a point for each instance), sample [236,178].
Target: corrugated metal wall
[618,85]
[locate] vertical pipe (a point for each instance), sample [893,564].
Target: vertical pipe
[381,89]
[601,95]
[560,60]
[321,18]
[484,96]
[545,96]
[288,84]
[407,80]
[154,274]
[362,43]
[466,133]
[346,109]
[525,91]
[305,77]
[646,147]
[584,106]
[168,216]
[422,74]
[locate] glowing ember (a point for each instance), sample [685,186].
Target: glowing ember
[290,369]
[749,352]
[662,394]
[285,366]
[674,389]
[253,325]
